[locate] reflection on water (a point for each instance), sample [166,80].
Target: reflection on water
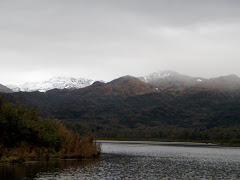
[139,161]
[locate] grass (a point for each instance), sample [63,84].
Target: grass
[77,148]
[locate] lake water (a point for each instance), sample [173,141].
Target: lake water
[138,160]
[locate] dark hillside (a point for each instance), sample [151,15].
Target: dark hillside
[122,103]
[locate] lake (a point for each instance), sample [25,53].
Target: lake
[138,160]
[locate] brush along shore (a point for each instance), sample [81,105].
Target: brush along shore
[24,136]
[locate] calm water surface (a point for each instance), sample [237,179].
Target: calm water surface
[139,160]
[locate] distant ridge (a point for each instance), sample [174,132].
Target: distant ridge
[163,80]
[53,83]
[167,79]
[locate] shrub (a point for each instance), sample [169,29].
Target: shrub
[23,132]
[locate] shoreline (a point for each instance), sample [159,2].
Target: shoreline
[169,142]
[16,160]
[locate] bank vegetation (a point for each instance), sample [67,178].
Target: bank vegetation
[24,135]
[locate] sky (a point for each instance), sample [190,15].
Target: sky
[106,39]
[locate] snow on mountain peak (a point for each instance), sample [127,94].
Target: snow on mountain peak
[53,83]
[163,74]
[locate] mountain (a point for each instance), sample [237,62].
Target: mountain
[130,102]
[167,79]
[127,104]
[53,83]
[73,103]
[119,88]
[129,86]
[223,82]
[4,89]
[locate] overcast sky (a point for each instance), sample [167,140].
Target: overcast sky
[105,39]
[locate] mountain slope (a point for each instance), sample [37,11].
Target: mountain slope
[173,81]
[223,82]
[170,80]
[4,89]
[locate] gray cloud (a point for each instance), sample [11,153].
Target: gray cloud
[109,38]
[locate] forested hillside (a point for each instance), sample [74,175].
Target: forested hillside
[25,135]
[130,108]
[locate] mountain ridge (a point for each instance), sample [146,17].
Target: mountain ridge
[128,101]
[129,107]
[52,83]
[161,80]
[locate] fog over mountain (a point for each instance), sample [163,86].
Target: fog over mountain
[159,80]
[108,39]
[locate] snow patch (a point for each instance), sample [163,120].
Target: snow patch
[53,83]
[157,75]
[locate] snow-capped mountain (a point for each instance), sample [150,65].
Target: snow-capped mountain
[171,78]
[163,74]
[53,83]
